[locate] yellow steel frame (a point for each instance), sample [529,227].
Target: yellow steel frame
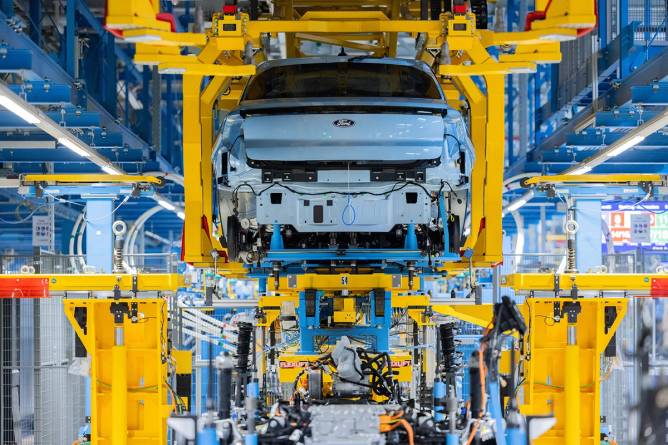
[106,282]
[134,14]
[220,57]
[639,284]
[615,178]
[129,402]
[89,179]
[565,380]
[559,379]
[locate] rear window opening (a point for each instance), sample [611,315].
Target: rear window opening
[342,79]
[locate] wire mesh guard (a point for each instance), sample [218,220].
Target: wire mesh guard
[207,333]
[41,402]
[74,264]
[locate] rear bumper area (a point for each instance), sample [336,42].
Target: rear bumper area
[344,211]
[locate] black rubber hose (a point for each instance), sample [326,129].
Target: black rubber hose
[225,390]
[243,345]
[447,334]
[476,388]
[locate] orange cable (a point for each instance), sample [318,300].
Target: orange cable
[472,435]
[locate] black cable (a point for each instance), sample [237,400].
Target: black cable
[380,381]
[394,188]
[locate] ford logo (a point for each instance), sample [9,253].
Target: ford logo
[344,123]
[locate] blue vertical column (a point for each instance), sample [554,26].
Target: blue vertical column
[70,37]
[602,23]
[589,248]
[647,20]
[99,239]
[35,14]
[383,322]
[309,323]
[7,7]
[109,79]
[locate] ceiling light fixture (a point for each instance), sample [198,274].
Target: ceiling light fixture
[74,147]
[111,170]
[581,170]
[166,204]
[19,110]
[616,151]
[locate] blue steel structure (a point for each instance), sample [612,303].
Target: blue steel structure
[564,129]
[376,332]
[84,87]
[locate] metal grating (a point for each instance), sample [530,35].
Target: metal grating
[651,14]
[74,264]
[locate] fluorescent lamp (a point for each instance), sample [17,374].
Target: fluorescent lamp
[166,204]
[109,169]
[74,147]
[181,215]
[19,110]
[625,146]
[581,170]
[28,144]
[515,205]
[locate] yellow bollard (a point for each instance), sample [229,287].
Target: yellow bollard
[119,390]
[572,390]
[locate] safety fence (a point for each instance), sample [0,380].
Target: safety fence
[76,264]
[42,402]
[633,262]
[651,17]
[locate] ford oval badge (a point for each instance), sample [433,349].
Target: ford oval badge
[344,123]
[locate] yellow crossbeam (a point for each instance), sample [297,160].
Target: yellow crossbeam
[583,281]
[616,178]
[106,282]
[90,179]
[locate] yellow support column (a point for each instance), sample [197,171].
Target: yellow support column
[489,246]
[572,394]
[197,243]
[488,137]
[119,390]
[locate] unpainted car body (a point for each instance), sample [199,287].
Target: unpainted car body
[340,152]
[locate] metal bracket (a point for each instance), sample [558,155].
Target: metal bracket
[309,297]
[379,302]
[557,285]
[571,309]
[556,311]
[118,310]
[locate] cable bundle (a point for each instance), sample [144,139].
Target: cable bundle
[379,367]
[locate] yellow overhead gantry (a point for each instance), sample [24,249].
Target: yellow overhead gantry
[230,49]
